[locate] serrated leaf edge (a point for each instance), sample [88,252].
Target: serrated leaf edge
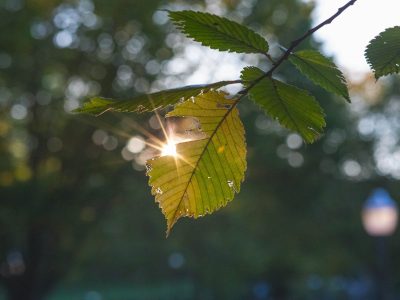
[179,25]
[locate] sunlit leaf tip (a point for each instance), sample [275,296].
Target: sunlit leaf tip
[147,102]
[383,52]
[293,108]
[218,32]
[205,174]
[95,106]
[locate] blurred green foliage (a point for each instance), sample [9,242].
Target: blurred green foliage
[75,215]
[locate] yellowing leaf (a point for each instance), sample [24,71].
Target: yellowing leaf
[205,174]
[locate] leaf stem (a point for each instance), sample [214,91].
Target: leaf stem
[269,57]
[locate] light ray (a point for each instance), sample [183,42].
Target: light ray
[169,149]
[165,147]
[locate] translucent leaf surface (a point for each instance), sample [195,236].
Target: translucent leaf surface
[292,107]
[147,102]
[321,71]
[205,174]
[383,52]
[218,33]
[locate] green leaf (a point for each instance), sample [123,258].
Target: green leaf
[383,52]
[206,173]
[292,107]
[321,71]
[147,102]
[218,33]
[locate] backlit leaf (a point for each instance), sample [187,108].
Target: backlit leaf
[293,108]
[383,52]
[321,71]
[218,33]
[206,173]
[147,102]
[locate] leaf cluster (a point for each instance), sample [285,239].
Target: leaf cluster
[206,172]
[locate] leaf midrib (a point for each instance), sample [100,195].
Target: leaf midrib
[202,153]
[284,105]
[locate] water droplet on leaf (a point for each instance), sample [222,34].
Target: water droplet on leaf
[140,108]
[232,185]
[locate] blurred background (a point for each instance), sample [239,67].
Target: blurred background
[77,220]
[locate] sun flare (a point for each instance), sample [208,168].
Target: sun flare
[168,149]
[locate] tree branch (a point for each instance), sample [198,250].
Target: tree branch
[296,43]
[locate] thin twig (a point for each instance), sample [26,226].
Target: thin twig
[232,81]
